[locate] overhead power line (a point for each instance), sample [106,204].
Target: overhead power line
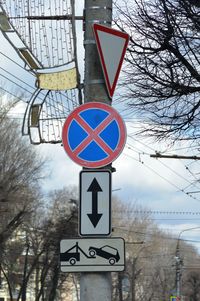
[159,212]
[158,155]
[165,179]
[141,152]
[10,93]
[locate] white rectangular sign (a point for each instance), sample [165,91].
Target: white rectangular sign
[90,254]
[95,203]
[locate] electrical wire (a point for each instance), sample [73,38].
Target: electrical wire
[14,62]
[141,152]
[158,212]
[16,77]
[162,177]
[10,93]
[159,234]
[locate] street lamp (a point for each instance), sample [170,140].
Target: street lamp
[179,262]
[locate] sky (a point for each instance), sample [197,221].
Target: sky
[163,186]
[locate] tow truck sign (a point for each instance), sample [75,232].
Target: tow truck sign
[89,255]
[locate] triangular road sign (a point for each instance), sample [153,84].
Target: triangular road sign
[111,45]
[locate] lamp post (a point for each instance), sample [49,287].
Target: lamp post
[179,262]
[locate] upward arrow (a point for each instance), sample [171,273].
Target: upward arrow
[94,216]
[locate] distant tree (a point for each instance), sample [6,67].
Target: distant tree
[150,252]
[190,280]
[191,287]
[61,223]
[31,258]
[21,168]
[161,80]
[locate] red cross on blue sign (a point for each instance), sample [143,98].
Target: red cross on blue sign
[94,135]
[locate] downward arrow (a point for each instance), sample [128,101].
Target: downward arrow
[94,216]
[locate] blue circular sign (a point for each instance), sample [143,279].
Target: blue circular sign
[94,135]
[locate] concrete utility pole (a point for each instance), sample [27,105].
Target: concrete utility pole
[178,269]
[95,286]
[96,11]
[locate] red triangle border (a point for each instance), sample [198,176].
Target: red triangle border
[99,27]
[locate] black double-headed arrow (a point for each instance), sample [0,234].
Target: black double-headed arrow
[94,216]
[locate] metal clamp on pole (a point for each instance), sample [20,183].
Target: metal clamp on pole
[100,7]
[87,42]
[99,22]
[96,81]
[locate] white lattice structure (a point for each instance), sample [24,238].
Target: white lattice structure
[43,33]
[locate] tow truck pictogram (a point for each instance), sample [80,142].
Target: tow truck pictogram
[73,257]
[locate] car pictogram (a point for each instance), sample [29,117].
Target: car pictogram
[106,252]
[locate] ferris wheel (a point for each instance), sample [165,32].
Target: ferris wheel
[43,33]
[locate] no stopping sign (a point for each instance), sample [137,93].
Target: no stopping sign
[94,135]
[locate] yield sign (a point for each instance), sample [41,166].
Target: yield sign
[111,45]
